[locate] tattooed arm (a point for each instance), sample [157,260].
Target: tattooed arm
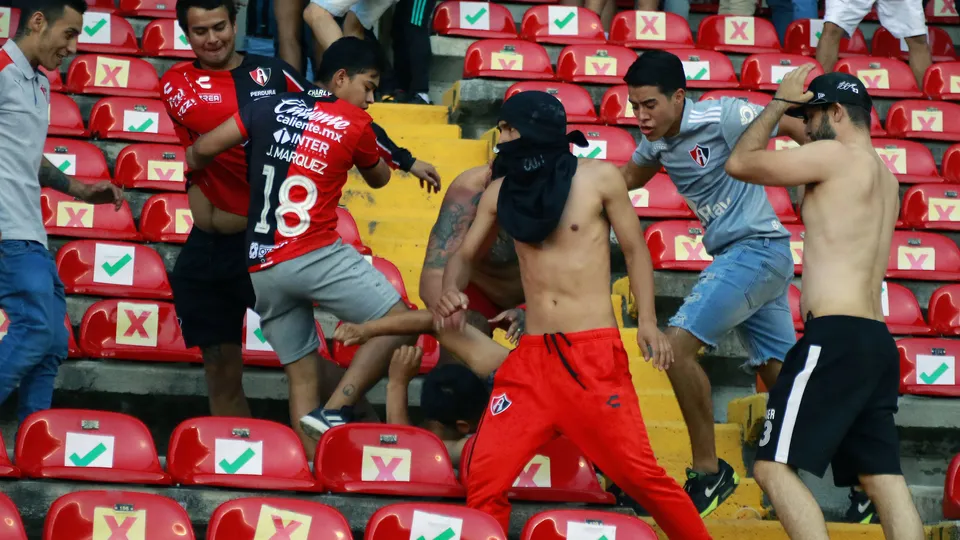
[100,193]
[457,212]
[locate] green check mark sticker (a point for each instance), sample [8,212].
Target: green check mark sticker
[242,459]
[445,535]
[472,19]
[930,378]
[818,34]
[565,21]
[112,269]
[64,166]
[142,127]
[91,30]
[593,153]
[86,460]
[700,74]
[183,39]
[259,333]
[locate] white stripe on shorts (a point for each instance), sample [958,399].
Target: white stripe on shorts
[793,404]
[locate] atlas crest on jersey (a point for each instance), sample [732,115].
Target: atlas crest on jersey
[260,76]
[700,155]
[499,403]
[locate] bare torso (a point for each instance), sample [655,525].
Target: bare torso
[566,279]
[849,223]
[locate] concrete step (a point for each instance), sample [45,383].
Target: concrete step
[734,529]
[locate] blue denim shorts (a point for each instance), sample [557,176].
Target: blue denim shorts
[744,289]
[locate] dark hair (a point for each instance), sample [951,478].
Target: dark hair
[52,10]
[859,116]
[452,392]
[352,54]
[657,68]
[183,6]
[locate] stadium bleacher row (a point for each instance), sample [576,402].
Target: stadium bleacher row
[107,124]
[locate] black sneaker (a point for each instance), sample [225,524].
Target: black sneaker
[320,420]
[861,509]
[708,491]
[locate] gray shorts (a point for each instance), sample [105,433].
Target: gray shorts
[336,277]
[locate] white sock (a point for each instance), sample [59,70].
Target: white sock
[424,96]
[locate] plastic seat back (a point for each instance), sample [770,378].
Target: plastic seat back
[615,108]
[253,518]
[943,310]
[156,9]
[928,367]
[152,166]
[106,33]
[576,101]
[677,245]
[431,520]
[507,59]
[604,142]
[79,159]
[9,20]
[882,77]
[803,36]
[707,69]
[562,25]
[98,74]
[132,119]
[932,206]
[594,64]
[64,117]
[573,524]
[922,119]
[923,256]
[117,515]
[165,39]
[166,217]
[911,161]
[766,71]
[135,330]
[113,269]
[63,215]
[941,46]
[10,524]
[736,34]
[651,30]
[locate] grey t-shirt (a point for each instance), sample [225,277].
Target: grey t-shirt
[730,210]
[24,109]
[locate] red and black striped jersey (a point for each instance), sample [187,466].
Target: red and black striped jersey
[301,147]
[199,100]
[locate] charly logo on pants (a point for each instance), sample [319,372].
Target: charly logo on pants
[499,403]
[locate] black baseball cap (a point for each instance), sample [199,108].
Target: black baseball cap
[835,87]
[452,392]
[539,117]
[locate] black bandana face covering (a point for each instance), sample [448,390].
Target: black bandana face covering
[537,178]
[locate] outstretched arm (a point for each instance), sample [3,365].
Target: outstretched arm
[100,193]
[213,143]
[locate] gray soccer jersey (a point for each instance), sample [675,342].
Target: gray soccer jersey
[730,210]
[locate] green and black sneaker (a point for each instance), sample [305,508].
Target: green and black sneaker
[708,491]
[861,508]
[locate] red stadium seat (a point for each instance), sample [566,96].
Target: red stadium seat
[106,33]
[793,296]
[134,330]
[65,216]
[9,19]
[883,77]
[154,9]
[558,472]
[605,142]
[117,515]
[573,524]
[56,83]
[507,59]
[707,69]
[803,36]
[106,6]
[113,269]
[876,130]
[951,164]
[901,311]
[64,117]
[923,119]
[757,98]
[78,444]
[7,469]
[343,355]
[951,488]
[781,142]
[651,30]
[562,25]
[944,310]
[384,459]
[911,161]
[928,367]
[941,46]
[779,199]
[95,74]
[253,518]
[392,274]
[595,64]
[923,256]
[932,206]
[349,232]
[10,524]
[73,350]
[79,159]
[165,39]
[942,81]
[797,233]
[238,453]
[576,101]
[132,119]
[660,199]
[431,520]
[765,71]
[743,35]
[677,245]
[152,166]
[256,350]
[615,108]
[166,217]
[942,12]
[474,19]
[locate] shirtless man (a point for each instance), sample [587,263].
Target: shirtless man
[569,373]
[838,388]
[495,281]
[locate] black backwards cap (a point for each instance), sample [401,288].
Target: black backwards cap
[832,88]
[540,118]
[452,392]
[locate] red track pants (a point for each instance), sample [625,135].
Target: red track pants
[578,385]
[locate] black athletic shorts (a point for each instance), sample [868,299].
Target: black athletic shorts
[212,288]
[834,401]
